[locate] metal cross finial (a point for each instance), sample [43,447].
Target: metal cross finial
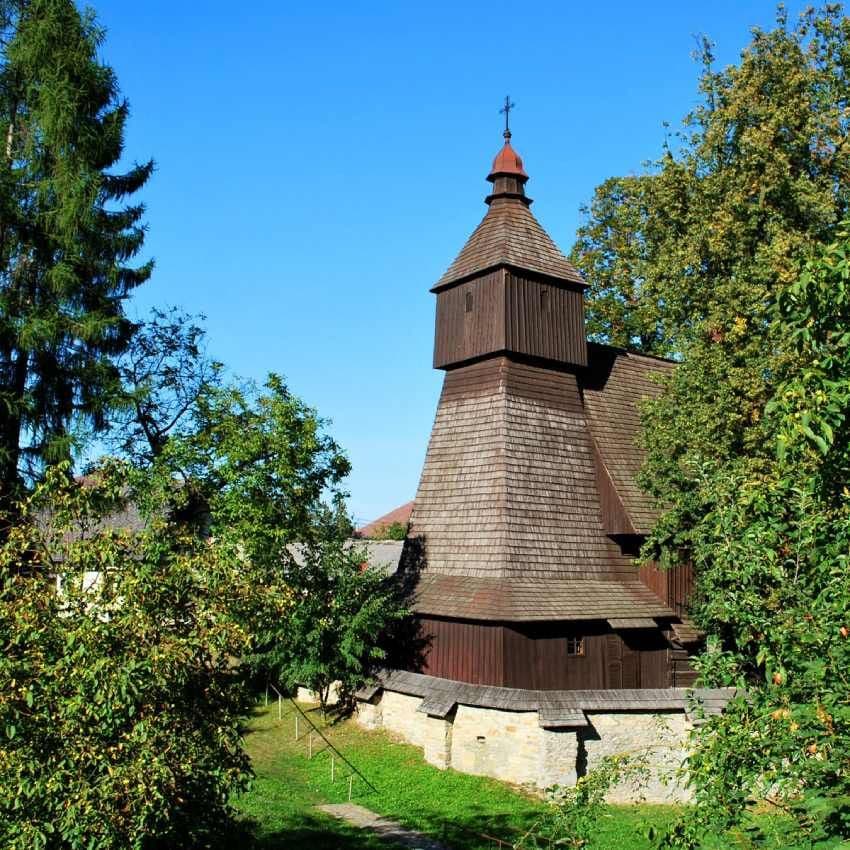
[507,110]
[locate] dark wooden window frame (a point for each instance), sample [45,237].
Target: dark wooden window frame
[575,647]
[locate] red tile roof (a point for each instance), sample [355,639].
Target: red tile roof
[400,514]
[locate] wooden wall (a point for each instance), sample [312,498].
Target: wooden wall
[505,312]
[464,651]
[535,655]
[615,520]
[543,320]
[463,334]
[672,586]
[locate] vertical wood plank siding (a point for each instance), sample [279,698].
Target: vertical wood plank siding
[462,335]
[673,586]
[549,325]
[509,313]
[535,656]
[465,652]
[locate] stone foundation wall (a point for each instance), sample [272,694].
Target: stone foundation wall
[659,737]
[306,695]
[504,745]
[433,734]
[370,715]
[512,747]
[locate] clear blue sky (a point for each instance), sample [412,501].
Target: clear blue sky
[319,165]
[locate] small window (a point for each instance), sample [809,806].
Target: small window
[468,301]
[544,300]
[575,646]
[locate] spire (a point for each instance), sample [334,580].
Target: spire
[507,174]
[509,234]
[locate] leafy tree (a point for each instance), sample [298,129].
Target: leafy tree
[772,552]
[264,469]
[342,608]
[574,812]
[747,447]
[119,702]
[687,258]
[164,371]
[258,462]
[66,235]
[758,176]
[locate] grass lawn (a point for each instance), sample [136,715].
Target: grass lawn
[279,810]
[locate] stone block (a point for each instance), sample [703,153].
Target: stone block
[662,738]
[506,745]
[370,714]
[558,758]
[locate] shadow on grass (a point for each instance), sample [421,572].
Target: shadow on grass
[305,831]
[313,831]
[475,831]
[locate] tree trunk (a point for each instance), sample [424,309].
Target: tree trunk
[11,485]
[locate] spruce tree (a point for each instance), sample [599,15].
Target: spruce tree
[67,235]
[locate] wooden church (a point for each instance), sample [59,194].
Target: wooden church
[528,517]
[541,647]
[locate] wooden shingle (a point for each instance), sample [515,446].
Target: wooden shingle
[613,387]
[509,236]
[555,708]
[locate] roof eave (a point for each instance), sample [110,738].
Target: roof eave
[446,282]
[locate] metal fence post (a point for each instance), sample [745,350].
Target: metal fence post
[332,769]
[350,783]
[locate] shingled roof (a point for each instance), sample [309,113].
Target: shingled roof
[556,709]
[509,488]
[613,387]
[509,235]
[399,515]
[508,506]
[524,600]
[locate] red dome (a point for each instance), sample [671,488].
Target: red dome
[508,161]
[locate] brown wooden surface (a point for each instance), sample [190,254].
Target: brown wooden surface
[544,320]
[509,236]
[525,380]
[509,482]
[462,334]
[613,387]
[615,520]
[682,673]
[505,312]
[535,656]
[672,586]
[466,652]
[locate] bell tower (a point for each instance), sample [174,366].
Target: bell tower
[510,291]
[508,491]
